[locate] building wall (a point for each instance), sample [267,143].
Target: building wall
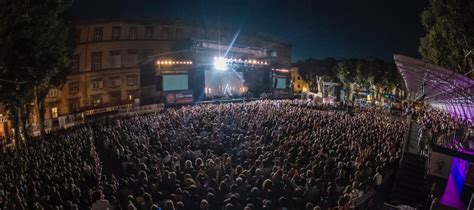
[120,50]
[299,85]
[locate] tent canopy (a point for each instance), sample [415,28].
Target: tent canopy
[442,88]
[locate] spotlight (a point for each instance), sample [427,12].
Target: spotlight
[219,64]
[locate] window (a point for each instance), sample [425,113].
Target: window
[132,94]
[115,82]
[115,59]
[131,80]
[133,33]
[96,58]
[116,30]
[74,104]
[74,88]
[298,86]
[132,52]
[97,84]
[115,97]
[75,63]
[53,93]
[179,34]
[149,32]
[54,112]
[98,33]
[165,33]
[96,99]
[131,59]
[147,53]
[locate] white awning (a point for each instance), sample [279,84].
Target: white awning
[442,88]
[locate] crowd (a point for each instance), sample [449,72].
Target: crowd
[440,128]
[254,155]
[60,171]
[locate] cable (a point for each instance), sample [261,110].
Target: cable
[12,82]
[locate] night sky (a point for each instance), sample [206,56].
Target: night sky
[315,28]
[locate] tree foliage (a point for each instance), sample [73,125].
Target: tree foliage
[353,74]
[37,37]
[449,41]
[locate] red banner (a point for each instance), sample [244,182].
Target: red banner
[282,93]
[179,97]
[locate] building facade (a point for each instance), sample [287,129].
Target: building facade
[299,84]
[106,61]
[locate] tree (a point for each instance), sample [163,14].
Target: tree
[372,74]
[313,69]
[37,37]
[346,74]
[449,41]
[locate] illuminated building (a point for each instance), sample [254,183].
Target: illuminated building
[299,84]
[106,62]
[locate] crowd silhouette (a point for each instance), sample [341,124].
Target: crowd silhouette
[253,155]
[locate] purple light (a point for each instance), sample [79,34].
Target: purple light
[456,180]
[463,150]
[463,111]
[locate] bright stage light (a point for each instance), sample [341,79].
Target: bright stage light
[219,64]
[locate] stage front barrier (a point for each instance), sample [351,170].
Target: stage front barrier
[71,120]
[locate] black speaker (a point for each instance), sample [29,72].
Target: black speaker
[147,75]
[159,83]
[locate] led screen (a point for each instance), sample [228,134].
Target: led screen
[280,83]
[175,82]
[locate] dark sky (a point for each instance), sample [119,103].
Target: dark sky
[315,28]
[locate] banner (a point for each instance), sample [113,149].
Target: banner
[179,97]
[62,121]
[214,45]
[440,164]
[328,100]
[282,93]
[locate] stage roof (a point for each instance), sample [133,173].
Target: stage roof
[442,88]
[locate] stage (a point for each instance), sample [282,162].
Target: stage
[203,73]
